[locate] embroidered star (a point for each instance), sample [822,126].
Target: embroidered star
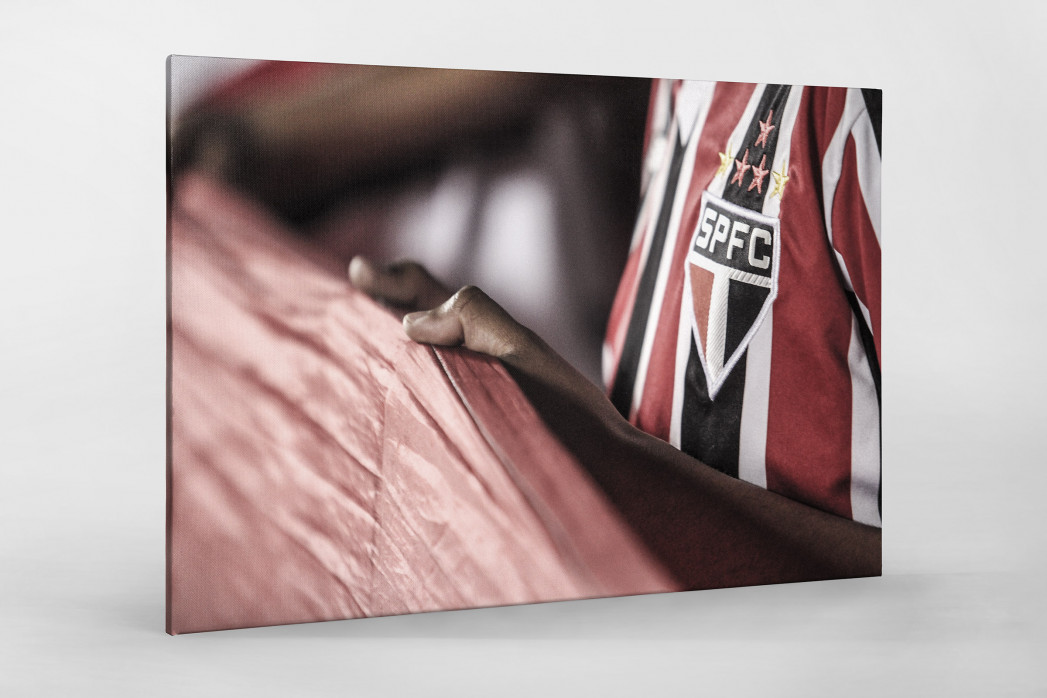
[725,161]
[758,174]
[741,165]
[765,130]
[780,180]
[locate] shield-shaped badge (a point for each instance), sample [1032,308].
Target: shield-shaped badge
[732,274]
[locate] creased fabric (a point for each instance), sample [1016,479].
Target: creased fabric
[322,466]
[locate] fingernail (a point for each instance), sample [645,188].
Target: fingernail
[359,270]
[414,317]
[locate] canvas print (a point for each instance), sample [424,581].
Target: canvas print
[444,339]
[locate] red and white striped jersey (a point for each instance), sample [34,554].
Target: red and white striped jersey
[746,329]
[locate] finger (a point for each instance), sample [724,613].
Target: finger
[471,319]
[406,284]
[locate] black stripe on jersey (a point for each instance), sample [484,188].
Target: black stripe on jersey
[773,98]
[711,431]
[874,105]
[625,379]
[744,303]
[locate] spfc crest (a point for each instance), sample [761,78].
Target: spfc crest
[732,273]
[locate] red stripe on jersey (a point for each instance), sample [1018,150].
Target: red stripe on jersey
[622,308]
[702,288]
[809,405]
[855,239]
[654,414]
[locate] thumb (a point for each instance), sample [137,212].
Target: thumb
[471,319]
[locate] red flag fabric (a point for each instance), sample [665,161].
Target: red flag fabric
[322,466]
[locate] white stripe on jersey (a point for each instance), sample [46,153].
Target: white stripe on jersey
[832,163]
[716,332]
[752,440]
[865,434]
[662,106]
[688,106]
[705,98]
[868,157]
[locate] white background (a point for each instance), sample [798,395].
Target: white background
[960,609]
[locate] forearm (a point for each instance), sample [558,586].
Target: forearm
[711,530]
[347,123]
[357,121]
[714,530]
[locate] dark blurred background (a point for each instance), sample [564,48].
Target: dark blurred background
[523,184]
